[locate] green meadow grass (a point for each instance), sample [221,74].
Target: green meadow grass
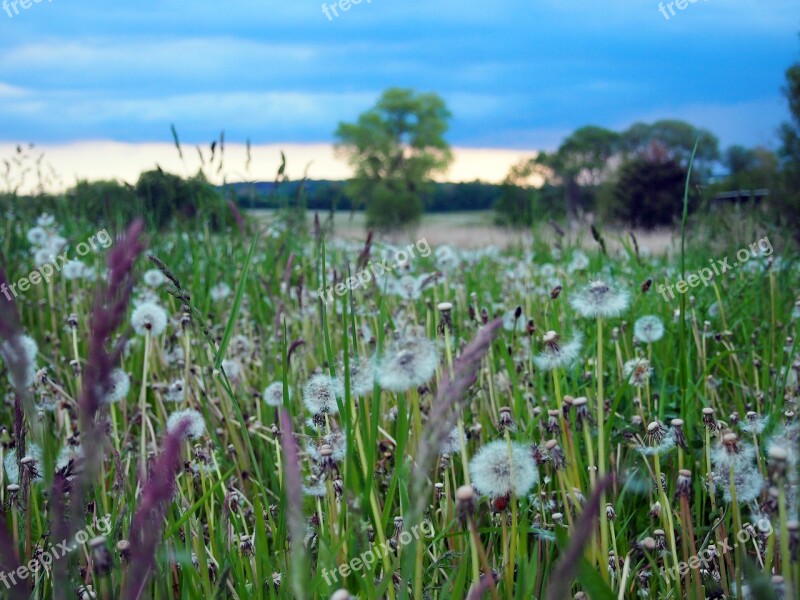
[236,526]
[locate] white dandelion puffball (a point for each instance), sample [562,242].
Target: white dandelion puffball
[119,386]
[600,299]
[11,463]
[558,355]
[451,443]
[176,391]
[638,371]
[196,425]
[220,292]
[407,364]
[149,318]
[319,395]
[362,378]
[648,329]
[497,469]
[153,278]
[45,220]
[37,236]
[43,256]
[29,350]
[273,394]
[513,323]
[73,270]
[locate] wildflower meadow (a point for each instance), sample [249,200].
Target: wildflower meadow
[534,422]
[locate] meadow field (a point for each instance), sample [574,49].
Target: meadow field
[270,412]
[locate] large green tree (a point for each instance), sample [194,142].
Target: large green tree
[394,148]
[678,138]
[789,203]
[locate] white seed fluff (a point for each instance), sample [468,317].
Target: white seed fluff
[150,318]
[319,395]
[273,394]
[498,470]
[648,329]
[196,424]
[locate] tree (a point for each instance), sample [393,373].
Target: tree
[678,139]
[394,148]
[648,190]
[789,153]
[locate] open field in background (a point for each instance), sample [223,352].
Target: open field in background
[476,229]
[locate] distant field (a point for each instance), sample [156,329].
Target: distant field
[475,229]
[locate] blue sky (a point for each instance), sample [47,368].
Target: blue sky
[516,75]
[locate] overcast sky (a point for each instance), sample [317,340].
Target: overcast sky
[516,74]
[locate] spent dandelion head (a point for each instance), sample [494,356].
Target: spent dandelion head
[319,395]
[190,421]
[600,299]
[557,354]
[648,329]
[149,319]
[273,394]
[408,363]
[498,469]
[638,371]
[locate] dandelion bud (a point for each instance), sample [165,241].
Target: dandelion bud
[582,414]
[101,557]
[557,456]
[708,419]
[447,320]
[465,503]
[646,285]
[683,489]
[557,517]
[730,442]
[72,321]
[530,328]
[245,545]
[655,510]
[552,426]
[439,490]
[655,433]
[678,434]
[506,422]
[648,544]
[734,418]
[124,549]
[484,316]
[615,334]
[517,312]
[474,432]
[611,514]
[555,292]
[661,539]
[613,563]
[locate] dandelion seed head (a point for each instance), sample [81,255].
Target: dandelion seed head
[37,236]
[600,299]
[638,371]
[153,278]
[498,470]
[451,444]
[556,354]
[407,364]
[73,270]
[648,329]
[149,318]
[362,378]
[220,291]
[273,394]
[119,386]
[29,349]
[319,395]
[176,391]
[196,425]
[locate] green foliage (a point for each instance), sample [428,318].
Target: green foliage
[646,193]
[788,206]
[394,148]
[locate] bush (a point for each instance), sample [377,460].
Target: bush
[647,193]
[391,209]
